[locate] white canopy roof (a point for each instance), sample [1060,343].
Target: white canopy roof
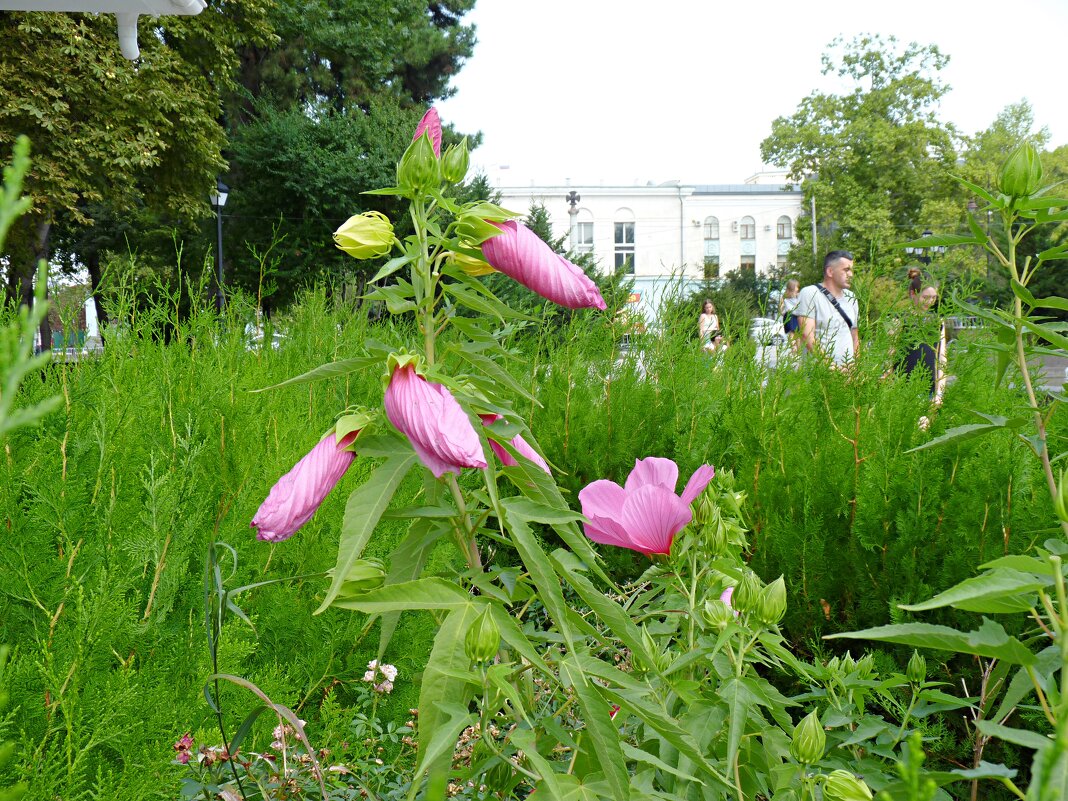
[126,11]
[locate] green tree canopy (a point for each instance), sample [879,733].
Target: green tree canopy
[873,155]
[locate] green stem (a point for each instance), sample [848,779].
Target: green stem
[466,534]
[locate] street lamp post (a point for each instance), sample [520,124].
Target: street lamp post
[218,200]
[573,199]
[926,254]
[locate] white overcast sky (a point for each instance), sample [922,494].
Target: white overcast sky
[632,91]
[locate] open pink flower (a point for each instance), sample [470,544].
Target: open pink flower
[297,495]
[430,123]
[521,255]
[516,442]
[429,416]
[645,514]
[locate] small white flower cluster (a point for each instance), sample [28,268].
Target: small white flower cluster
[389,675]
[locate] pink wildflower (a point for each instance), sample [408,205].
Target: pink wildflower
[645,514]
[184,747]
[429,416]
[297,495]
[520,254]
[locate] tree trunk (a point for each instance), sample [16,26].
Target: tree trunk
[40,253]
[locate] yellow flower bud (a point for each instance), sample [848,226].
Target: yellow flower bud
[840,785]
[470,265]
[365,236]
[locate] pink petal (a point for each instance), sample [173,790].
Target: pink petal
[520,254]
[653,470]
[435,424]
[516,442]
[430,123]
[608,532]
[697,483]
[602,498]
[652,517]
[297,495]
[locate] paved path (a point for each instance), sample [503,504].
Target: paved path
[1054,371]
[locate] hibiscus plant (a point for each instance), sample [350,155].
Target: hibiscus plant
[563,683]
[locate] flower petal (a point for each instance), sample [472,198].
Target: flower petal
[435,424]
[653,470]
[697,483]
[298,494]
[430,123]
[519,253]
[652,517]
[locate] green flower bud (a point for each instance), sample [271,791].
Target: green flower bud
[717,614]
[703,508]
[365,236]
[1060,500]
[419,169]
[848,665]
[363,576]
[866,666]
[1022,171]
[454,162]
[841,785]
[772,605]
[715,538]
[916,671]
[483,639]
[809,740]
[747,594]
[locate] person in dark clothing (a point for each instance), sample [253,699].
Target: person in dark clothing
[921,338]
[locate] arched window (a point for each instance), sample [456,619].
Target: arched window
[584,232]
[784,229]
[748,228]
[711,230]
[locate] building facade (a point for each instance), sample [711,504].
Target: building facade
[672,232]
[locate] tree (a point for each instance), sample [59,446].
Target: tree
[874,156]
[339,54]
[110,132]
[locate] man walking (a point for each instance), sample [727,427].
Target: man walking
[828,311]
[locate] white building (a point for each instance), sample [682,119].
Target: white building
[670,232]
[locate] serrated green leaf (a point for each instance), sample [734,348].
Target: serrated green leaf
[1001,590]
[990,640]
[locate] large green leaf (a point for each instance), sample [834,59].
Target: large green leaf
[971,431]
[740,702]
[1000,590]
[440,695]
[1047,664]
[406,564]
[323,371]
[608,611]
[1024,737]
[1047,331]
[537,565]
[638,755]
[362,513]
[990,640]
[599,727]
[424,593]
[494,371]
[524,740]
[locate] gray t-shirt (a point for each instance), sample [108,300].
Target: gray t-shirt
[832,333]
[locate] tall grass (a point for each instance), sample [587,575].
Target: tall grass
[159,447]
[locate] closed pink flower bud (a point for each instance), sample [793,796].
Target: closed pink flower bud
[429,416]
[430,123]
[516,442]
[645,514]
[297,495]
[520,254]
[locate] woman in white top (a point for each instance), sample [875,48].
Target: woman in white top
[708,327]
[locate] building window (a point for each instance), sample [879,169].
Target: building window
[584,237]
[784,229]
[780,263]
[711,267]
[624,240]
[748,228]
[748,264]
[711,238]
